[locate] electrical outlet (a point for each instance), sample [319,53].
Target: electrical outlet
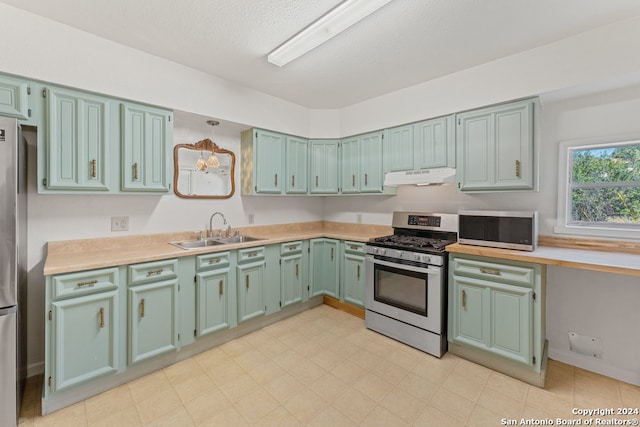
[359,218]
[119,223]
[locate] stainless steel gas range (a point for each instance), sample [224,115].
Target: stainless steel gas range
[406,280]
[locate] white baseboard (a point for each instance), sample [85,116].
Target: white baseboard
[595,365]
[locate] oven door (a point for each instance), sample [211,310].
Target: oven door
[407,293]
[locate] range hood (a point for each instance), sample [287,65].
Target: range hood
[435,176]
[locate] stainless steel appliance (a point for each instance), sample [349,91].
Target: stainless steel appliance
[499,229]
[12,270]
[405,280]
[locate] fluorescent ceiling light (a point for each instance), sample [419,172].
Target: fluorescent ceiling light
[333,23]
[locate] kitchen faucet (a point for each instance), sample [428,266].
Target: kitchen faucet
[224,223]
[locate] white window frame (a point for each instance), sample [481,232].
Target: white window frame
[564,201]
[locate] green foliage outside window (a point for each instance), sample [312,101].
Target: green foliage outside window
[605,185]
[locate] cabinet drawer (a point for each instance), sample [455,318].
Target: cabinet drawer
[250,254]
[84,283]
[152,271]
[212,261]
[291,247]
[354,247]
[520,276]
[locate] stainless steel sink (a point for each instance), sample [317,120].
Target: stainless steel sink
[238,239]
[195,244]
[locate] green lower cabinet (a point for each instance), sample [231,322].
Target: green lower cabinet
[85,338]
[83,328]
[353,273]
[250,274]
[497,307]
[325,267]
[290,279]
[212,313]
[152,319]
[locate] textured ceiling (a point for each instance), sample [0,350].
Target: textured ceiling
[405,43]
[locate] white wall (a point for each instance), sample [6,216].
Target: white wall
[44,50]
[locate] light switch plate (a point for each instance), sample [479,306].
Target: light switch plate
[119,223]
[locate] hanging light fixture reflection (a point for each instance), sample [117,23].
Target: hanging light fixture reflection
[212,161]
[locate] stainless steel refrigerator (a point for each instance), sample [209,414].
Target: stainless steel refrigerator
[13,285]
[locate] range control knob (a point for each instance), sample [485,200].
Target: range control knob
[418,257]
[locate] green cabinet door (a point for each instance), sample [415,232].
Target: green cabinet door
[296,165]
[325,267]
[434,143]
[354,279]
[371,175]
[250,286]
[469,312]
[153,311]
[323,167]
[78,134]
[512,322]
[495,147]
[269,162]
[212,312]
[146,141]
[14,97]
[85,335]
[350,165]
[290,279]
[399,149]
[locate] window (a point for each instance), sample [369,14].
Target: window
[600,195]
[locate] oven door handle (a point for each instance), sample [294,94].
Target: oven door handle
[429,270]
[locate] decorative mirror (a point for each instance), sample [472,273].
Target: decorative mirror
[203,170]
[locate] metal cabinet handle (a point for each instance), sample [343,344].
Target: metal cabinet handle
[135,171]
[353,180]
[316,180]
[214,261]
[252,254]
[221,288]
[297,270]
[94,168]
[354,247]
[293,180]
[89,283]
[518,168]
[366,179]
[464,297]
[358,272]
[247,281]
[276,180]
[490,271]
[331,253]
[155,272]
[101,317]
[142,308]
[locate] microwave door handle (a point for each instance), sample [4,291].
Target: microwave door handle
[429,270]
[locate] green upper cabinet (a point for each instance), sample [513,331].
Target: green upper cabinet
[399,155]
[91,143]
[361,164]
[297,154]
[350,165]
[434,143]
[496,147]
[78,139]
[146,134]
[323,166]
[14,97]
[269,163]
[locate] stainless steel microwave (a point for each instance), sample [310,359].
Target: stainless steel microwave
[499,229]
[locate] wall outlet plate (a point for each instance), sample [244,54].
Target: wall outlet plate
[119,223]
[585,345]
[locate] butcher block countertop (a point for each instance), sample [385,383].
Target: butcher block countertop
[86,254]
[597,255]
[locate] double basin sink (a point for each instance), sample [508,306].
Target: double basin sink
[195,244]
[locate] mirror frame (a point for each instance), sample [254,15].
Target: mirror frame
[204,145]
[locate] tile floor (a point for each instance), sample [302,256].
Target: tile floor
[323,368]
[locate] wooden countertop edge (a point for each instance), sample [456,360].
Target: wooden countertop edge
[514,255]
[62,257]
